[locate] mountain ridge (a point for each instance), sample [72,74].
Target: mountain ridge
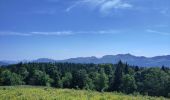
[156,61]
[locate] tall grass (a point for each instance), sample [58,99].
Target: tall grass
[47,93]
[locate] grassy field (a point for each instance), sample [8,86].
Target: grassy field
[47,93]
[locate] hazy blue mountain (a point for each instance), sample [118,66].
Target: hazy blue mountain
[44,60]
[7,62]
[82,60]
[40,60]
[3,63]
[130,59]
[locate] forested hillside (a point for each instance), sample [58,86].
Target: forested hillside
[100,77]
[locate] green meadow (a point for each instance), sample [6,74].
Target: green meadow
[48,93]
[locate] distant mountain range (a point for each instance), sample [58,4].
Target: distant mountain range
[130,59]
[3,63]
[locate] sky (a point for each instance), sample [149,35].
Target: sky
[61,29]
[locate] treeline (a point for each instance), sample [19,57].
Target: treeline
[118,77]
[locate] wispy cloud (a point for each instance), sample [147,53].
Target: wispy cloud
[104,6]
[99,32]
[165,11]
[14,34]
[157,32]
[59,33]
[53,33]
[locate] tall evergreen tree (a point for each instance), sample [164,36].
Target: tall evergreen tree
[163,68]
[116,86]
[126,69]
[136,68]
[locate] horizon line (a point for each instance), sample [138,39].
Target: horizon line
[85,57]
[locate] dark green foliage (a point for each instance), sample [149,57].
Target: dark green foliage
[163,68]
[118,75]
[101,81]
[136,68]
[128,84]
[56,77]
[94,76]
[167,88]
[66,80]
[126,69]
[101,77]
[40,78]
[81,80]
[153,81]
[9,78]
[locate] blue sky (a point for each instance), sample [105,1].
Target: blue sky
[60,29]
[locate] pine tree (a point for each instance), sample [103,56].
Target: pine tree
[126,69]
[163,68]
[118,77]
[136,68]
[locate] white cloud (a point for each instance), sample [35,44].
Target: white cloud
[113,4]
[53,33]
[72,6]
[104,6]
[14,34]
[157,32]
[103,32]
[59,33]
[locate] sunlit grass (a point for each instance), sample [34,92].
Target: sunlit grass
[47,93]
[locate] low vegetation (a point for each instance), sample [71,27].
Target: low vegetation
[47,93]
